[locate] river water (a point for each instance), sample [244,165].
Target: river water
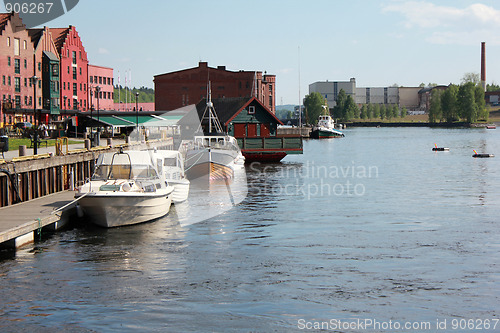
[374,231]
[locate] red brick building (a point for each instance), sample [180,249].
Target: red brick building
[189,86]
[73,71]
[16,70]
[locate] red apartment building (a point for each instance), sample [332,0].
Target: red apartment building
[189,86]
[73,69]
[16,70]
[101,85]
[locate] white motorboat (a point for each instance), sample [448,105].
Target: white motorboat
[325,129]
[214,154]
[125,189]
[171,165]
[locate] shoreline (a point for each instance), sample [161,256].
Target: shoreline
[418,124]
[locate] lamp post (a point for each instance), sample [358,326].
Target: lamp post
[98,138]
[35,136]
[91,109]
[137,110]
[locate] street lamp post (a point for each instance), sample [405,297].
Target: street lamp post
[136,110]
[35,136]
[97,93]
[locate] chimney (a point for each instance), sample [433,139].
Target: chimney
[483,65]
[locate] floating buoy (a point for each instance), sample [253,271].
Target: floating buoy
[436,148]
[483,155]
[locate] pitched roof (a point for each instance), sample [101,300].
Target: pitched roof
[35,35]
[59,36]
[227,108]
[4,18]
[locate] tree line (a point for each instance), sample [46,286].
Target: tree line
[346,109]
[464,102]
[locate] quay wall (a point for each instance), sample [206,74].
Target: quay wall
[32,177]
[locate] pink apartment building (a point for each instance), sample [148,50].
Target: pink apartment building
[101,87]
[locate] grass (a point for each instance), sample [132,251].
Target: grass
[14,143]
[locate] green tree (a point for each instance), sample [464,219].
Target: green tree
[471,78]
[388,112]
[467,102]
[404,112]
[370,111]
[351,109]
[449,104]
[314,103]
[339,108]
[382,111]
[395,111]
[376,111]
[364,112]
[492,87]
[482,112]
[435,111]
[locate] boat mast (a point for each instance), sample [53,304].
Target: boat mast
[210,114]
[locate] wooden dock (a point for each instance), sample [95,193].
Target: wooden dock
[19,222]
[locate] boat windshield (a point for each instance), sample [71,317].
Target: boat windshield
[120,171]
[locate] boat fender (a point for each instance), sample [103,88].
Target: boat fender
[79,211]
[126,187]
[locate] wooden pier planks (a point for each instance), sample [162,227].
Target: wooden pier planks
[22,218]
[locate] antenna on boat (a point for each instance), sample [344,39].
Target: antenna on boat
[210,113]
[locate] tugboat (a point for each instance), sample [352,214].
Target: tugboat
[326,127]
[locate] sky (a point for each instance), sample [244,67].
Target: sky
[380,43]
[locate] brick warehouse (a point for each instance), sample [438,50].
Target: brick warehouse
[180,88]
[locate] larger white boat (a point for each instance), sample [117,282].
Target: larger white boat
[215,154]
[171,165]
[125,189]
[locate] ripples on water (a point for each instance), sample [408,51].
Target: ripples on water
[420,243]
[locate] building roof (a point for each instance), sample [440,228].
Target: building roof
[35,35]
[50,55]
[228,108]
[4,18]
[59,36]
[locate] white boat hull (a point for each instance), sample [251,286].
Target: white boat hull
[115,210]
[181,190]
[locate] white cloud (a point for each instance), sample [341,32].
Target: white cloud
[450,25]
[102,50]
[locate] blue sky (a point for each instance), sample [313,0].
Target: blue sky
[380,43]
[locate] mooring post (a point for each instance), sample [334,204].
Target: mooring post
[22,150]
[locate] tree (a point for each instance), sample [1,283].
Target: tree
[482,112]
[370,111]
[492,87]
[364,112]
[467,102]
[351,109]
[376,111]
[382,111]
[339,108]
[314,103]
[471,78]
[435,111]
[449,105]
[395,111]
[388,112]
[404,112]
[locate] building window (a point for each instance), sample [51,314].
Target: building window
[84,87]
[74,73]
[80,54]
[80,87]
[8,61]
[8,41]
[16,47]
[68,69]
[40,84]
[270,101]
[9,81]
[95,79]
[100,79]
[39,66]
[64,85]
[55,70]
[25,63]
[74,57]
[3,81]
[17,66]
[25,44]
[25,100]
[75,104]
[251,110]
[25,82]
[75,89]
[17,84]
[18,101]
[91,79]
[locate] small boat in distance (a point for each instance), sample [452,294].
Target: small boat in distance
[125,189]
[491,126]
[325,129]
[170,164]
